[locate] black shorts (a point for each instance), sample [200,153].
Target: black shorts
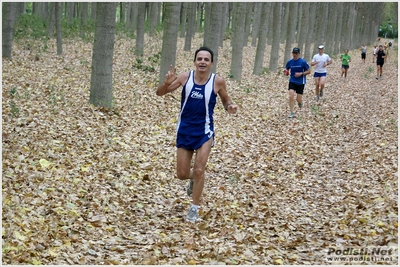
[345,66]
[380,63]
[363,55]
[298,88]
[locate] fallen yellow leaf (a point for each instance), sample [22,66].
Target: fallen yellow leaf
[44,163]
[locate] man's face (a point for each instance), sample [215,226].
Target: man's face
[320,50]
[203,61]
[295,55]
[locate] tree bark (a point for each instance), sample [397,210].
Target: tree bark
[249,13]
[84,16]
[308,54]
[207,20]
[153,18]
[122,12]
[183,19]
[102,58]
[285,21]
[291,30]
[273,62]
[140,29]
[9,13]
[93,11]
[302,31]
[133,17]
[128,16]
[262,39]
[58,9]
[50,29]
[71,6]
[215,31]
[237,41]
[321,25]
[21,8]
[170,38]
[191,26]
[256,23]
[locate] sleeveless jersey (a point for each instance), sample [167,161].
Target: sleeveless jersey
[197,108]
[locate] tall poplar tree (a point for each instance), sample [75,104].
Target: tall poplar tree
[103,53]
[273,62]
[170,38]
[191,16]
[215,28]
[140,28]
[256,23]
[262,39]
[237,41]
[58,9]
[291,30]
[9,13]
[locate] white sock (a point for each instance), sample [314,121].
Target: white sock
[195,206]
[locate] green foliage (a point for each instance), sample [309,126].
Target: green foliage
[389,27]
[30,26]
[155,58]
[315,109]
[70,30]
[152,60]
[13,107]
[120,28]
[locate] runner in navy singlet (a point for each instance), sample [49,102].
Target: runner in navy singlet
[195,129]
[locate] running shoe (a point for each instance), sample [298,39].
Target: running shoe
[193,215]
[291,115]
[317,97]
[189,188]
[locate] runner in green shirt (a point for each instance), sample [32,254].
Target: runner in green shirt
[345,63]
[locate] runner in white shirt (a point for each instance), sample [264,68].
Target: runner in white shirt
[320,60]
[374,56]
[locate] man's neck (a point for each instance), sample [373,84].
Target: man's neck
[201,77]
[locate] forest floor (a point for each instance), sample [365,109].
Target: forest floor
[84,185]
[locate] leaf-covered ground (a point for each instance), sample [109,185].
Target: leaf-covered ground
[83,185]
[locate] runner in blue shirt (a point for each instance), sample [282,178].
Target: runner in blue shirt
[195,128]
[298,70]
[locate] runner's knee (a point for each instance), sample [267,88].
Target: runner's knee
[182,174]
[198,172]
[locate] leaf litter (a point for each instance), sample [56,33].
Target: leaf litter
[86,185]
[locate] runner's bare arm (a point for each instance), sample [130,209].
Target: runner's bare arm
[172,82]
[220,86]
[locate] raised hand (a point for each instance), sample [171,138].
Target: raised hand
[170,76]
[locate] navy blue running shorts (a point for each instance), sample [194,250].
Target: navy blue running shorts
[190,142]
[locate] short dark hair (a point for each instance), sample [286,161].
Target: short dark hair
[204,48]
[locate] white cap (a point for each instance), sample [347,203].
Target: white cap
[321,47]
